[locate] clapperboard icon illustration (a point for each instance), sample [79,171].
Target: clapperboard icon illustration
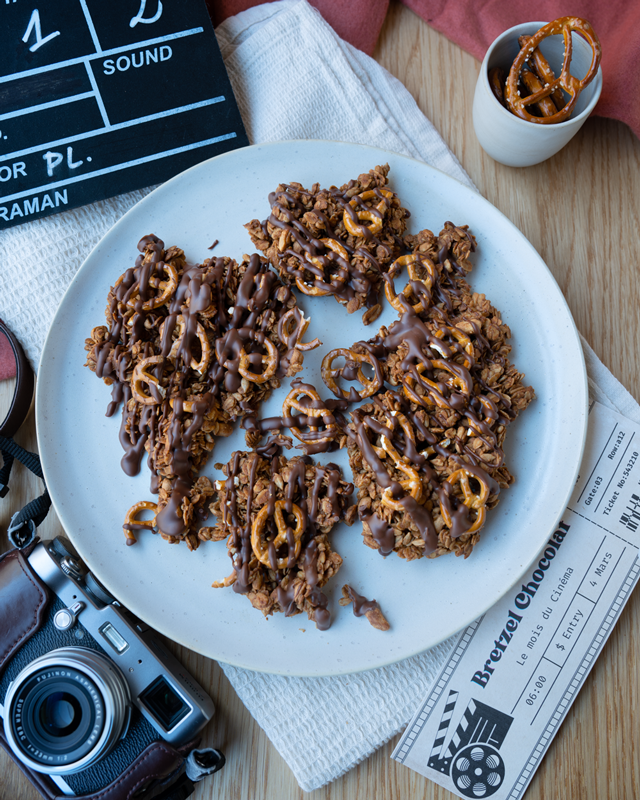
[470,754]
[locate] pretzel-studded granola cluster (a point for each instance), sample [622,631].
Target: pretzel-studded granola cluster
[276,514]
[427,454]
[333,241]
[188,350]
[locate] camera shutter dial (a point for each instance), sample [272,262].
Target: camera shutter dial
[65,619]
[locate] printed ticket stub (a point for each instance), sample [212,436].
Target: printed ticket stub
[513,674]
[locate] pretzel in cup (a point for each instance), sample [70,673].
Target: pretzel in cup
[545,89]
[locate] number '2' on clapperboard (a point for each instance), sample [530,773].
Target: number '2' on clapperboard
[99,98]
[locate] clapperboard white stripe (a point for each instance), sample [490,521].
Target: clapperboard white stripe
[119,126]
[459,735]
[92,27]
[92,56]
[127,164]
[21,112]
[99,100]
[445,721]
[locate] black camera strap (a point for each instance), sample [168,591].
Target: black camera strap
[22,528]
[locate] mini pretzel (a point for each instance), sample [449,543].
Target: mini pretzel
[270,359]
[411,261]
[541,67]
[141,377]
[461,337]
[316,433]
[432,395]
[198,366]
[373,216]
[411,484]
[566,81]
[189,406]
[313,264]
[406,427]
[476,502]
[167,288]
[297,317]
[546,106]
[261,548]
[131,519]
[496,82]
[329,375]
[461,382]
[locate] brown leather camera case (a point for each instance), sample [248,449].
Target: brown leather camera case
[23,602]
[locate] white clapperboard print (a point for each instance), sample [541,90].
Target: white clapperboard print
[470,754]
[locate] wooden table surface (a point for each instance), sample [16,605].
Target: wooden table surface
[581,211]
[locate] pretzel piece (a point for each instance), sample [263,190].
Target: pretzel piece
[373,215]
[248,360]
[461,337]
[295,334]
[411,261]
[496,82]
[141,377]
[314,265]
[566,81]
[433,395]
[131,519]
[205,358]
[411,484]
[539,64]
[546,106]
[324,432]
[353,360]
[167,288]
[472,501]
[286,535]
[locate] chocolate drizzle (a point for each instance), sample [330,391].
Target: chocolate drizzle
[176,318]
[334,242]
[326,487]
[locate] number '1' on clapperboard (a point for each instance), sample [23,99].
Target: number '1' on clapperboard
[99,98]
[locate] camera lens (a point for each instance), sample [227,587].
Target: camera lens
[60,714]
[66,710]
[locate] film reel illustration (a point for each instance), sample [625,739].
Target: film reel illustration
[471,756]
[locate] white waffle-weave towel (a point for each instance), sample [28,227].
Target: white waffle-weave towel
[321,726]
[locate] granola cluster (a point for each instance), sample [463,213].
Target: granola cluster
[427,454]
[188,350]
[333,241]
[276,514]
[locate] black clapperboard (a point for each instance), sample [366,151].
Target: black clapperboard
[99,97]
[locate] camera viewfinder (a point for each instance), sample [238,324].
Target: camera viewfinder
[164,703]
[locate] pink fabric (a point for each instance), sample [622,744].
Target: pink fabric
[474,24]
[357,21]
[7,359]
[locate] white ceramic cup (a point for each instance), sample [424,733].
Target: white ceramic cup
[514,141]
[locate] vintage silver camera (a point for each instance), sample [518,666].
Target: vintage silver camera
[93,687]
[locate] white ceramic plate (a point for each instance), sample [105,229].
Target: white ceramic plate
[425,600]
